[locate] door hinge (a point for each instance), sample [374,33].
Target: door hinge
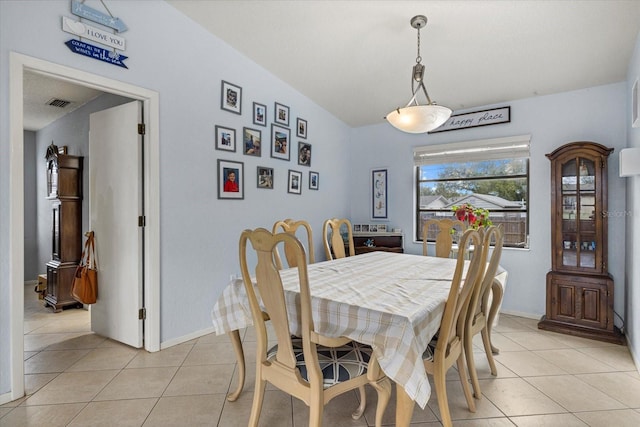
[142,314]
[142,221]
[141,129]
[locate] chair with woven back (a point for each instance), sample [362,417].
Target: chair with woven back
[293,365]
[447,348]
[444,231]
[332,238]
[290,226]
[477,316]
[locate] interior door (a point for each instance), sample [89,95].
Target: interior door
[115,203]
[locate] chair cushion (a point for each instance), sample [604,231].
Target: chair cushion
[338,364]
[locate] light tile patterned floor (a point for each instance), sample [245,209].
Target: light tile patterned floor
[76,378]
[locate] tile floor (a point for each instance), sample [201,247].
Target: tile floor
[76,378]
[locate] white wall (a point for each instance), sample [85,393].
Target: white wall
[199,233]
[633,222]
[597,114]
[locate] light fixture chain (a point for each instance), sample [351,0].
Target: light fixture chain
[419,58]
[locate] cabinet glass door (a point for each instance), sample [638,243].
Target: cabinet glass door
[578,213]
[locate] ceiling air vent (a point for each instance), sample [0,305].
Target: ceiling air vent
[55,102]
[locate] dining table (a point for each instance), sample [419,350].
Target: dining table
[393,302]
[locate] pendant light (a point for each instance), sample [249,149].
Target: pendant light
[416,118]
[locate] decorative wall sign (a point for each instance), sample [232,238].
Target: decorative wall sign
[475,119]
[86,12]
[378,194]
[92,33]
[96,52]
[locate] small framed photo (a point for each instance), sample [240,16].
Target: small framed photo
[281,114]
[373,228]
[304,154]
[301,128]
[225,139]
[251,142]
[294,182]
[314,180]
[382,228]
[231,98]
[365,228]
[230,179]
[356,228]
[265,177]
[379,194]
[280,137]
[259,114]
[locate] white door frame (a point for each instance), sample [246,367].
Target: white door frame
[150,99]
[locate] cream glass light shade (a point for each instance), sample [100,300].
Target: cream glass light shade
[419,118]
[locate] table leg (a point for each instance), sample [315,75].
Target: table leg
[497,293]
[404,407]
[237,346]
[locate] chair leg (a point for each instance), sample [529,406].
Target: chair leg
[441,392]
[237,347]
[258,397]
[471,364]
[486,340]
[465,384]
[383,387]
[363,404]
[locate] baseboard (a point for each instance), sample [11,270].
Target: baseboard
[521,314]
[6,398]
[185,338]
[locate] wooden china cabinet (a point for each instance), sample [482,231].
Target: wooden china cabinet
[64,191]
[579,287]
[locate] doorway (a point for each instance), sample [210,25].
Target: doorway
[18,65]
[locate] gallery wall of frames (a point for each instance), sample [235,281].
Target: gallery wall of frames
[258,139]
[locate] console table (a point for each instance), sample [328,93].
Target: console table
[387,242]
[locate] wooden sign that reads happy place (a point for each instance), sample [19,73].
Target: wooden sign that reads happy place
[475,119]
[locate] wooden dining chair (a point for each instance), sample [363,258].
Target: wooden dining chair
[447,348]
[332,238]
[290,226]
[478,314]
[444,230]
[313,368]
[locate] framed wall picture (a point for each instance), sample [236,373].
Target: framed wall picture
[356,228]
[252,142]
[265,177]
[314,180]
[304,154]
[301,128]
[231,98]
[230,179]
[294,183]
[281,114]
[225,139]
[259,114]
[280,138]
[379,194]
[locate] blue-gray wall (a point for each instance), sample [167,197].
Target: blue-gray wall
[199,232]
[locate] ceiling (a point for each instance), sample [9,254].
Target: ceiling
[354,58]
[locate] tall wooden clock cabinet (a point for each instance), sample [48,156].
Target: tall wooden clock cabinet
[579,286]
[64,191]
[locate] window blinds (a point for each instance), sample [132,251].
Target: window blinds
[482,149]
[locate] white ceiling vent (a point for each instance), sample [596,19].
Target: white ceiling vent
[55,102]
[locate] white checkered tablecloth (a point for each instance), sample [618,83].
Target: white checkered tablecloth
[393,302]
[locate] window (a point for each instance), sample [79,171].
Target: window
[490,174]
